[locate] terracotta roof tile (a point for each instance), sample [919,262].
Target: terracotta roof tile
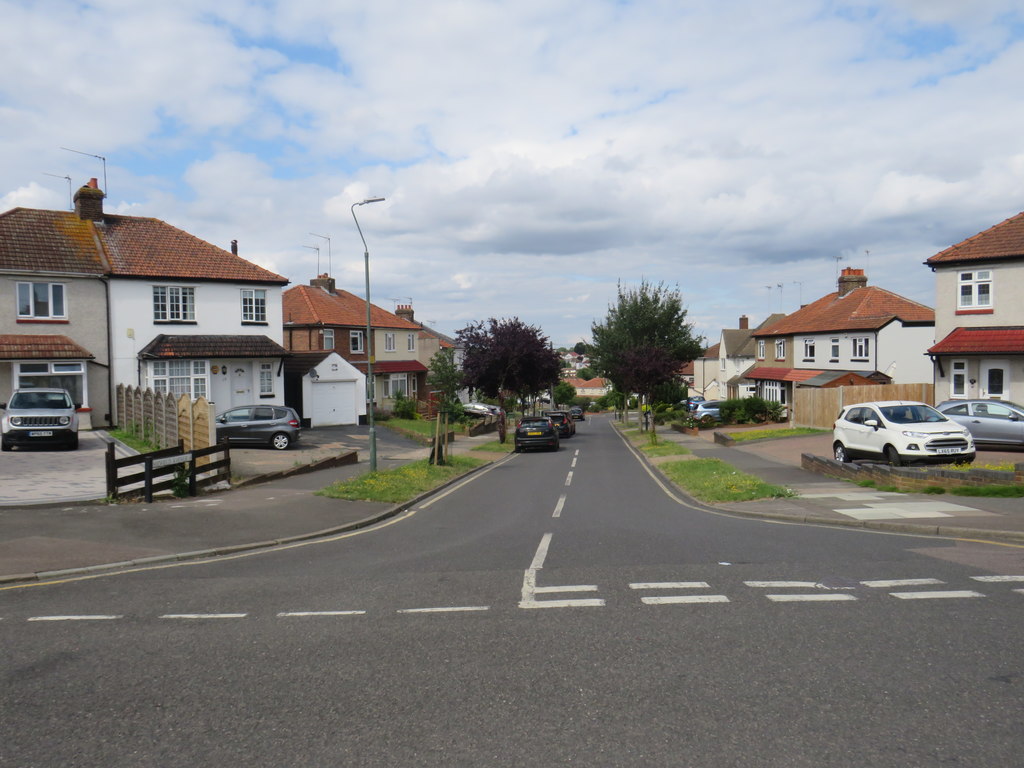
[781,374]
[974,341]
[310,305]
[392,366]
[1004,240]
[168,346]
[41,346]
[867,308]
[48,241]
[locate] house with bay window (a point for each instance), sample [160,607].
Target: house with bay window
[979,315]
[320,317]
[859,334]
[94,300]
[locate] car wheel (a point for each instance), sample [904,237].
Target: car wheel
[893,457]
[280,441]
[5,447]
[707,421]
[840,453]
[517,449]
[73,443]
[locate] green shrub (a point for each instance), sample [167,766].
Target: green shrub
[404,407]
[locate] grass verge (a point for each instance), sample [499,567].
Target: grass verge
[401,484]
[420,430]
[715,481]
[495,447]
[662,447]
[748,435]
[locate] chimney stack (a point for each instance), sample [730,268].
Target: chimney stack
[323,281]
[850,280]
[89,202]
[234,247]
[405,312]
[744,323]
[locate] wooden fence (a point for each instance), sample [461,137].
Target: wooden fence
[165,419]
[169,469]
[813,407]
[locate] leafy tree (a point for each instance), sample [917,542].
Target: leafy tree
[580,348]
[564,392]
[644,339]
[586,374]
[444,376]
[507,358]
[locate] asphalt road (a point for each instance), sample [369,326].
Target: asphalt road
[557,609]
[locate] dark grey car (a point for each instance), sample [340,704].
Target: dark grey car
[990,421]
[273,425]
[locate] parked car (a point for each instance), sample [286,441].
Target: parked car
[536,432]
[482,409]
[706,412]
[39,417]
[273,425]
[577,413]
[693,401]
[563,422]
[900,432]
[990,421]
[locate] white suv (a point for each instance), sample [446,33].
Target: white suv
[899,432]
[39,417]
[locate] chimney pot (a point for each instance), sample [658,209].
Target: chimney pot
[850,280]
[234,247]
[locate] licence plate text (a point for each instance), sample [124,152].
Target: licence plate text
[46,433]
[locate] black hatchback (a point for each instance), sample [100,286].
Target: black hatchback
[536,432]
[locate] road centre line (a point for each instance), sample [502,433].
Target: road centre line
[670,585]
[888,583]
[452,609]
[573,465]
[684,599]
[820,597]
[74,618]
[936,595]
[541,554]
[204,616]
[998,579]
[568,480]
[558,506]
[291,614]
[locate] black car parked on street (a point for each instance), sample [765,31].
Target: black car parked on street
[536,432]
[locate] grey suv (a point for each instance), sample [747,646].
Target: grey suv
[39,417]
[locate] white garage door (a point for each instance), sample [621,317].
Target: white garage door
[334,402]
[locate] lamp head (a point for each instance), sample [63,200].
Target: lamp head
[371,200]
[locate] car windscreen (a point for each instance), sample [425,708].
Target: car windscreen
[40,400]
[912,414]
[533,423]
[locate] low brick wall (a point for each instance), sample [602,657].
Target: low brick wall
[911,478]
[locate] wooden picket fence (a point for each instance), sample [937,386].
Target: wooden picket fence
[813,407]
[165,419]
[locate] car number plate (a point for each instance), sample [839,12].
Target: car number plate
[45,433]
[534,434]
[947,450]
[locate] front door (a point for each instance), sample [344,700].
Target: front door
[240,376]
[995,376]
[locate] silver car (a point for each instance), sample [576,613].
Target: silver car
[39,417]
[273,425]
[990,421]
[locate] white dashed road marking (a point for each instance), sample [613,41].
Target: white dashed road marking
[74,618]
[204,616]
[290,614]
[821,597]
[559,506]
[936,595]
[453,609]
[889,583]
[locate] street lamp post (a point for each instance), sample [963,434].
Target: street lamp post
[369,337]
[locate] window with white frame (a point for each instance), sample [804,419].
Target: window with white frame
[58,374]
[389,342]
[834,351]
[179,377]
[266,379]
[327,336]
[355,341]
[958,379]
[760,349]
[396,383]
[254,305]
[808,350]
[43,301]
[860,348]
[174,304]
[410,342]
[780,349]
[975,290]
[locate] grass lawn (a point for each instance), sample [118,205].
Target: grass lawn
[401,484]
[747,435]
[663,447]
[495,447]
[712,480]
[420,430]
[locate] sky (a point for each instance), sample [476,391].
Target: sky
[535,156]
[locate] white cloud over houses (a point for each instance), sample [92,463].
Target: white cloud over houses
[534,154]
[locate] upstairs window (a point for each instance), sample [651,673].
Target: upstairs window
[355,341]
[389,342]
[41,301]
[410,342]
[780,349]
[328,338]
[975,290]
[174,304]
[808,350]
[834,351]
[254,305]
[861,348]
[760,349]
